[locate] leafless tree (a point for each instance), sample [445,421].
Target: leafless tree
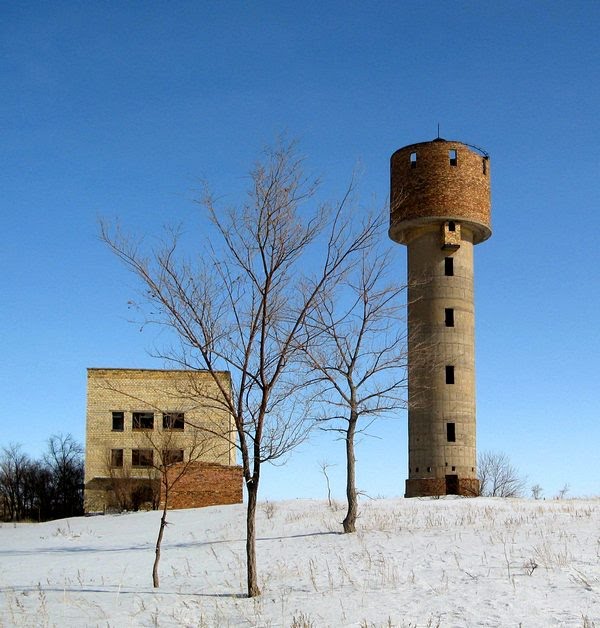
[13,468]
[562,493]
[172,462]
[497,476]
[64,458]
[324,466]
[359,361]
[243,304]
[536,491]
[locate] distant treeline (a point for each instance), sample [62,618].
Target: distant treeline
[39,490]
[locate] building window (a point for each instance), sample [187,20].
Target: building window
[173,421]
[116,458]
[449,375]
[449,266]
[449,316]
[413,160]
[143,421]
[171,456]
[428,469]
[452,226]
[142,457]
[484,165]
[453,156]
[118,421]
[451,432]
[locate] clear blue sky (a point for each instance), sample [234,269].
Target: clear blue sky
[117,109]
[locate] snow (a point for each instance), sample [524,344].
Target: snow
[430,562]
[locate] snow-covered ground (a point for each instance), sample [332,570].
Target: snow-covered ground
[446,562]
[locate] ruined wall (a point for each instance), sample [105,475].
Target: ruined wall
[204,484]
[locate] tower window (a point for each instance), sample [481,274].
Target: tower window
[413,160]
[451,432]
[449,266]
[452,226]
[484,165]
[428,469]
[449,374]
[449,316]
[453,156]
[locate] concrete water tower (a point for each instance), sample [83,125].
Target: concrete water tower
[440,208]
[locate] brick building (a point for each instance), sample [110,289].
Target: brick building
[140,420]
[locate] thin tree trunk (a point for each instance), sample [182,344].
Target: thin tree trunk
[163,524]
[349,522]
[253,589]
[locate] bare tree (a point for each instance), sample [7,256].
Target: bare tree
[359,361]
[172,460]
[242,306]
[324,466]
[536,491]
[64,458]
[497,476]
[13,468]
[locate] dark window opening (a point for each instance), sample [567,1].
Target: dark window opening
[449,266]
[417,470]
[143,421]
[428,469]
[118,421]
[451,432]
[449,316]
[453,156]
[452,226]
[453,468]
[173,421]
[484,164]
[171,456]
[142,457]
[449,375]
[116,457]
[413,160]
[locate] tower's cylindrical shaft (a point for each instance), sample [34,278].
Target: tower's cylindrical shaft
[440,209]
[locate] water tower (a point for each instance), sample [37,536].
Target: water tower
[440,208]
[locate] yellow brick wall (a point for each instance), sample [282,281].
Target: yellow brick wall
[208,435]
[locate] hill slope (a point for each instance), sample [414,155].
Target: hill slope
[447,562]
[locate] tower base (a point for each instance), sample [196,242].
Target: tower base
[450,485]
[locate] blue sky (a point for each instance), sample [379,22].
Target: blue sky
[119,109]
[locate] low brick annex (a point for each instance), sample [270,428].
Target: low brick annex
[204,484]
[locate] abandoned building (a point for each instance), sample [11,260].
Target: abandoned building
[146,424]
[439,209]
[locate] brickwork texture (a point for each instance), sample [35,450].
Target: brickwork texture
[112,460]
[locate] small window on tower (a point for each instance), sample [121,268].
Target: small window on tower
[449,266]
[413,160]
[451,432]
[452,226]
[449,316]
[484,165]
[453,156]
[449,375]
